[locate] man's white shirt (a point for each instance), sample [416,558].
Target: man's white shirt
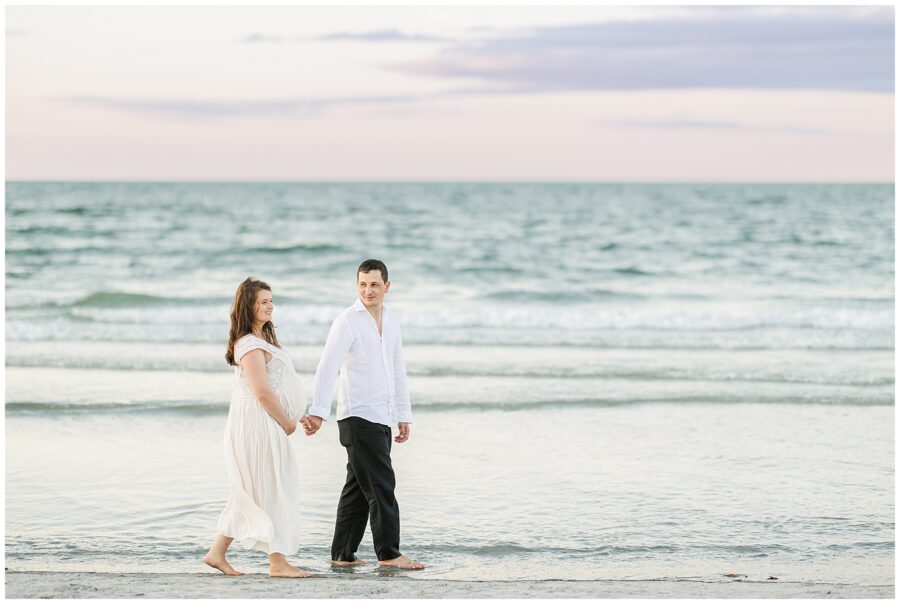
[371,368]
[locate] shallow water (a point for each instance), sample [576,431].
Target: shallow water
[636,491]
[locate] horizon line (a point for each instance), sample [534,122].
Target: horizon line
[440,181]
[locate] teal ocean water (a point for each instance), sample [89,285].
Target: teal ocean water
[609,381]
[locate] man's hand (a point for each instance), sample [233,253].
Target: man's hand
[311,424]
[403,427]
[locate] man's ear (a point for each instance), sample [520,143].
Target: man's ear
[387,285]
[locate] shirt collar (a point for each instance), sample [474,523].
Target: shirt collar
[359,306]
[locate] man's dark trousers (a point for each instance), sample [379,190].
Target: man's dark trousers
[368,492]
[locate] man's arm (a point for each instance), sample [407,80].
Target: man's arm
[337,345]
[403,408]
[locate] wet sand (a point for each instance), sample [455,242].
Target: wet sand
[195,585]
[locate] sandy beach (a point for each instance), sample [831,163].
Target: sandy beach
[152,585]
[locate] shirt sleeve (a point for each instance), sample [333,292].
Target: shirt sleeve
[403,408]
[245,345]
[337,345]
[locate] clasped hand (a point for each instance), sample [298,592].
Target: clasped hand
[311,424]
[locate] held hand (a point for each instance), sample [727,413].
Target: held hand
[311,424]
[403,436]
[289,429]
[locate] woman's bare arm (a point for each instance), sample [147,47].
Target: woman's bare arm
[254,364]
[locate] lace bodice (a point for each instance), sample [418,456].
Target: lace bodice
[282,378]
[276,369]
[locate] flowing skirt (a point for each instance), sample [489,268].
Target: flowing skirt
[263,508]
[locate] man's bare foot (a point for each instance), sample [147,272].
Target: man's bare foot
[283,569]
[402,562]
[356,562]
[221,564]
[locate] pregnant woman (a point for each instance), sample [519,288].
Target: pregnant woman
[263,508]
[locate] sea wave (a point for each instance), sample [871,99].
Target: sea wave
[595,295]
[634,272]
[311,248]
[215,364]
[140,307]
[115,407]
[106,299]
[119,307]
[220,408]
[184,548]
[167,325]
[55,252]
[503,549]
[161,549]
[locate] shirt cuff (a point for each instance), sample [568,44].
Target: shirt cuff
[322,412]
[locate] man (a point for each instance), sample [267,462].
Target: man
[364,346]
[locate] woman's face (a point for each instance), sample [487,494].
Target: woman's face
[262,310]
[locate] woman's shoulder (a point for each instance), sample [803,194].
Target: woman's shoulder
[252,337]
[249,342]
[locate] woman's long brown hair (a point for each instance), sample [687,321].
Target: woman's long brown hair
[243,311]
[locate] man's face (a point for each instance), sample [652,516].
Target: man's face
[372,288]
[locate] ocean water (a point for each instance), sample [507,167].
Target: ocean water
[608,381]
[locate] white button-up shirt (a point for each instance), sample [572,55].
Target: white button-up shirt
[372,371]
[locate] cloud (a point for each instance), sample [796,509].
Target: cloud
[674,123]
[260,38]
[835,48]
[384,35]
[689,124]
[232,108]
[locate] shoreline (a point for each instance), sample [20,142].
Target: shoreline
[50,584]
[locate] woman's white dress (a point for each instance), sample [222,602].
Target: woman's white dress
[263,509]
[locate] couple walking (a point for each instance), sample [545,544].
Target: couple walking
[267,403]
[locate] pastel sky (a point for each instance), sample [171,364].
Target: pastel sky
[586,93]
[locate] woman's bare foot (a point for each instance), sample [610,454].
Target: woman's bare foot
[402,562]
[220,563]
[281,568]
[353,563]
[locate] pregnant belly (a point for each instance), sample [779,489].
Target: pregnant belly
[292,397]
